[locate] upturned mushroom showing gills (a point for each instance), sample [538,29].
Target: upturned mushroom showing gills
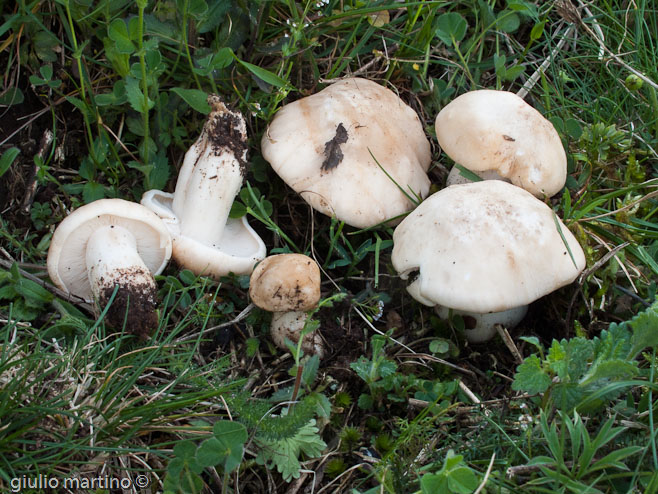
[110,243]
[289,286]
[486,250]
[496,134]
[205,239]
[329,148]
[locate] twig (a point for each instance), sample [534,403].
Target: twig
[245,312]
[469,393]
[31,189]
[509,342]
[532,81]
[69,297]
[486,475]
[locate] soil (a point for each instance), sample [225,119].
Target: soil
[142,317]
[226,132]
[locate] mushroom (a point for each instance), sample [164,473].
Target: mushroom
[107,243]
[497,134]
[205,239]
[329,147]
[484,248]
[289,286]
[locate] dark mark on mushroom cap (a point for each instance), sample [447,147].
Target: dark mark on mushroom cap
[333,154]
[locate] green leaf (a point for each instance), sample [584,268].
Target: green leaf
[33,291]
[507,21]
[7,159]
[265,75]
[284,454]
[468,174]
[530,376]
[118,32]
[12,96]
[451,28]
[196,8]
[454,477]
[136,96]
[537,31]
[610,369]
[92,191]
[195,98]
[644,330]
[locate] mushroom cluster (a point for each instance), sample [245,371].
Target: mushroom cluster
[485,250]
[112,244]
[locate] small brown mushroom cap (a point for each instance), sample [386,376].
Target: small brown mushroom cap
[285,282]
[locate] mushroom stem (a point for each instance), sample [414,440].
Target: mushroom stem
[290,325]
[482,327]
[211,176]
[112,259]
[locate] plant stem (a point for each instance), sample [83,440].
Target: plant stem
[142,64]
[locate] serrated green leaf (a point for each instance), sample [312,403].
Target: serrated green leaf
[645,333]
[284,454]
[136,96]
[616,369]
[195,98]
[530,376]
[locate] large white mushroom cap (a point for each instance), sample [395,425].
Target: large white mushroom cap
[484,247]
[496,131]
[320,146]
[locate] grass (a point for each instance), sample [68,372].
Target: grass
[401,403]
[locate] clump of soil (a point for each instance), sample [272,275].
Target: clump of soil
[227,132]
[138,301]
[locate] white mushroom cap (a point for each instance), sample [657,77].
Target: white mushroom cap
[320,146]
[498,131]
[239,248]
[67,266]
[112,243]
[205,239]
[288,285]
[484,247]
